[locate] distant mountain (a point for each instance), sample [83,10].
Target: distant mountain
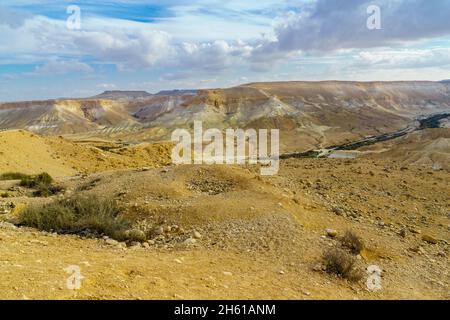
[308,114]
[117,94]
[177,92]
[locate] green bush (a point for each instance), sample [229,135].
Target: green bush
[32,181]
[47,190]
[13,176]
[77,215]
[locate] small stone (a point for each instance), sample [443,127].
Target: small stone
[145,245]
[402,233]
[135,235]
[227,273]
[135,245]
[318,267]
[189,241]
[415,230]
[42,243]
[158,230]
[151,242]
[429,239]
[338,211]
[111,242]
[331,233]
[197,235]
[281,272]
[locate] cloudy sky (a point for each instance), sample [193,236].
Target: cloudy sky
[154,45]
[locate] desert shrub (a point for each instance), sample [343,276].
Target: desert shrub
[5,195]
[338,261]
[13,176]
[47,190]
[77,215]
[32,181]
[353,242]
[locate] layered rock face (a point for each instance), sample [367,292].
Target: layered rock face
[308,114]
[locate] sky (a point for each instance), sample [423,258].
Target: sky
[79,48]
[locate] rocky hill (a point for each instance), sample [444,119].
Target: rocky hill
[309,114]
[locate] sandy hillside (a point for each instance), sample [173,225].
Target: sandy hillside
[427,148]
[234,234]
[27,152]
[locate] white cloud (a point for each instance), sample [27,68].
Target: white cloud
[62,67]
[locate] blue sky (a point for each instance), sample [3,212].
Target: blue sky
[155,45]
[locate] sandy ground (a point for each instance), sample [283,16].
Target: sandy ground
[261,238]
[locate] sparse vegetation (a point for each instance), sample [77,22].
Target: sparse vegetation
[5,195]
[353,242]
[78,215]
[35,180]
[42,183]
[47,190]
[13,176]
[338,261]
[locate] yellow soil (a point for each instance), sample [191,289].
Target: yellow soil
[30,153]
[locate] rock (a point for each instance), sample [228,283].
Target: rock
[146,245]
[135,244]
[151,242]
[402,233]
[158,230]
[227,273]
[281,272]
[7,225]
[331,233]
[318,267]
[111,242]
[135,235]
[189,241]
[168,229]
[429,239]
[42,243]
[197,235]
[415,230]
[338,211]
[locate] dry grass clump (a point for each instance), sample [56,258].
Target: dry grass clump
[353,242]
[13,176]
[42,183]
[35,180]
[77,215]
[341,263]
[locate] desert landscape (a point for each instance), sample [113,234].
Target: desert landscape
[363,181]
[225,158]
